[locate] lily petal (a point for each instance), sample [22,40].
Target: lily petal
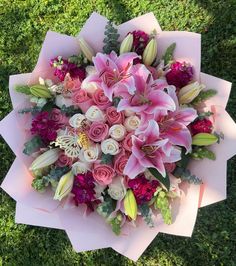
[133,167]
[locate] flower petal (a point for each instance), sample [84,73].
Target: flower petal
[152,132]
[133,167]
[185,115]
[125,60]
[102,62]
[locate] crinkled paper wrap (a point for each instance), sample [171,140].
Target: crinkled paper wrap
[91,232]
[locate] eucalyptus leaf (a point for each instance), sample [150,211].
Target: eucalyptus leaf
[33,145]
[168,56]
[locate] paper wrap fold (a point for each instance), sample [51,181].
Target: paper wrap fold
[89,233]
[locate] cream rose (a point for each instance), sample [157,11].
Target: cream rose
[94,114]
[90,155]
[117,132]
[89,87]
[117,189]
[132,123]
[77,120]
[80,168]
[110,146]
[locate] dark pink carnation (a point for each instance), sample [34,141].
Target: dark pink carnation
[140,41]
[143,189]
[201,126]
[180,74]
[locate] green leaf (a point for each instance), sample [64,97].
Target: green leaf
[23,89]
[168,56]
[106,207]
[186,175]
[203,96]
[48,106]
[204,115]
[33,110]
[33,145]
[106,158]
[147,214]
[164,180]
[162,204]
[70,110]
[185,158]
[116,101]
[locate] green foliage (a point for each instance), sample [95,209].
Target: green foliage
[186,175]
[147,214]
[111,39]
[33,145]
[116,224]
[33,110]
[213,241]
[201,153]
[39,184]
[204,115]
[23,89]
[106,207]
[79,60]
[168,56]
[203,96]
[70,110]
[116,101]
[106,158]
[164,180]
[163,205]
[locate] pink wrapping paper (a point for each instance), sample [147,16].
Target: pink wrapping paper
[88,233]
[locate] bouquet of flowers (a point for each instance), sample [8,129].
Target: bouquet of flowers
[115,132]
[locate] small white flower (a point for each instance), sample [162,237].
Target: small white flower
[117,189]
[90,155]
[77,120]
[41,102]
[60,101]
[94,114]
[41,81]
[117,132]
[132,123]
[110,146]
[80,168]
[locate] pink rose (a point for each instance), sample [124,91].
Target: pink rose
[98,131]
[103,174]
[58,117]
[100,99]
[120,162]
[80,98]
[127,142]
[72,84]
[114,117]
[64,160]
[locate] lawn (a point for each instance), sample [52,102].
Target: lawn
[23,25]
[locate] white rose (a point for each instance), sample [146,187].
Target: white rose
[117,189]
[117,132]
[90,155]
[89,86]
[80,168]
[129,113]
[94,114]
[110,146]
[90,70]
[60,101]
[77,120]
[132,122]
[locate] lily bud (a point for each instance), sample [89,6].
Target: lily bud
[86,49]
[204,139]
[127,44]
[40,91]
[130,205]
[189,92]
[150,52]
[64,186]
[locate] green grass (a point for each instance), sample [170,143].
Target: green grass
[23,25]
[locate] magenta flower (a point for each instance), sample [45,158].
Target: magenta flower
[143,189]
[140,41]
[83,189]
[180,74]
[149,150]
[63,66]
[149,96]
[113,72]
[45,127]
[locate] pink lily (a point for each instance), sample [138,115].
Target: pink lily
[113,72]
[174,125]
[149,150]
[149,96]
